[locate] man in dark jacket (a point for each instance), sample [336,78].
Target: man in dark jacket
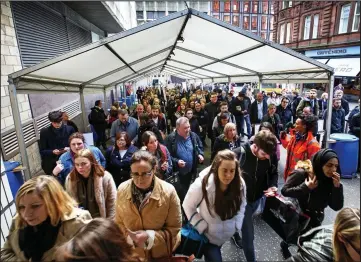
[274,119]
[354,121]
[295,102]
[258,110]
[212,109]
[260,173]
[99,121]
[186,151]
[337,118]
[202,117]
[54,141]
[240,109]
[310,101]
[284,111]
[344,102]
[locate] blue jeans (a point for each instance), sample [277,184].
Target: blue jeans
[248,124]
[248,231]
[212,253]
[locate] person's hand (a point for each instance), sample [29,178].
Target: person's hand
[181,163]
[270,192]
[245,112]
[139,237]
[143,148]
[311,183]
[56,152]
[283,134]
[67,149]
[164,166]
[336,179]
[200,158]
[58,168]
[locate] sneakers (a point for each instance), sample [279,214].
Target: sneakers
[237,240]
[285,252]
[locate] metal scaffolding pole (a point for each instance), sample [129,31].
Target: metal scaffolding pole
[329,109]
[260,81]
[83,110]
[18,128]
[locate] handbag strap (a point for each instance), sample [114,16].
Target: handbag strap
[196,212]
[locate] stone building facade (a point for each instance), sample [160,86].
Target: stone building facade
[10,62]
[305,25]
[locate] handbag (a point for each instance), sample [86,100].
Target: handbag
[285,217]
[192,243]
[171,257]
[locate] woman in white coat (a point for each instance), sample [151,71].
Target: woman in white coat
[220,193]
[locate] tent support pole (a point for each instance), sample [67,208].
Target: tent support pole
[18,128]
[82,106]
[105,100]
[260,83]
[329,108]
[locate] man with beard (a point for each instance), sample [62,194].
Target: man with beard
[337,118]
[310,101]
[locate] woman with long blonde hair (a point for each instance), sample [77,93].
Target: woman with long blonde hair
[46,218]
[91,185]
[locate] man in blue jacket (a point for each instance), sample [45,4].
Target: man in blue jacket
[337,118]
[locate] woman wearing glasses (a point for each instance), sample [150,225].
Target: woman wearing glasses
[91,186]
[148,209]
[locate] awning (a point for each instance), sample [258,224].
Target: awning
[348,67]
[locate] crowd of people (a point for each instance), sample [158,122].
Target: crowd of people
[122,204]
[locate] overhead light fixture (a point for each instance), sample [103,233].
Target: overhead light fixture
[180,39]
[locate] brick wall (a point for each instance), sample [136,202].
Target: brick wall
[10,62]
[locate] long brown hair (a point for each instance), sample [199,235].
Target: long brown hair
[100,240]
[226,204]
[96,168]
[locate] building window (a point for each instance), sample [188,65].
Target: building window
[286,4]
[216,6]
[316,19]
[288,33]
[254,22]
[246,7]
[227,18]
[235,6]
[255,7]
[271,36]
[356,18]
[246,22]
[271,23]
[140,15]
[235,20]
[264,22]
[216,16]
[264,7]
[307,28]
[227,6]
[264,35]
[282,33]
[345,14]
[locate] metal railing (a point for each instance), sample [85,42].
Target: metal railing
[31,130]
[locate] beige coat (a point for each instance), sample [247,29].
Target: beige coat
[162,211]
[70,226]
[105,193]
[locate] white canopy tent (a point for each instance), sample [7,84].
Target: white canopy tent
[187,44]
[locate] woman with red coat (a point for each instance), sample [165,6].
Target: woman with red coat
[301,144]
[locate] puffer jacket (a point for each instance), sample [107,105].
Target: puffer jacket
[70,225]
[298,150]
[162,210]
[216,230]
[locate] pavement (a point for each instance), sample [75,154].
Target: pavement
[266,241]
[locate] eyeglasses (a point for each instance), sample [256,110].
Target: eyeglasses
[139,176]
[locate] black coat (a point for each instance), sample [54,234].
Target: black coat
[212,110]
[194,125]
[150,126]
[355,125]
[72,124]
[51,139]
[275,124]
[98,118]
[345,106]
[254,112]
[316,200]
[221,144]
[285,114]
[119,166]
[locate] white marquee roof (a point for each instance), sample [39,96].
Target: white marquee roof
[212,51]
